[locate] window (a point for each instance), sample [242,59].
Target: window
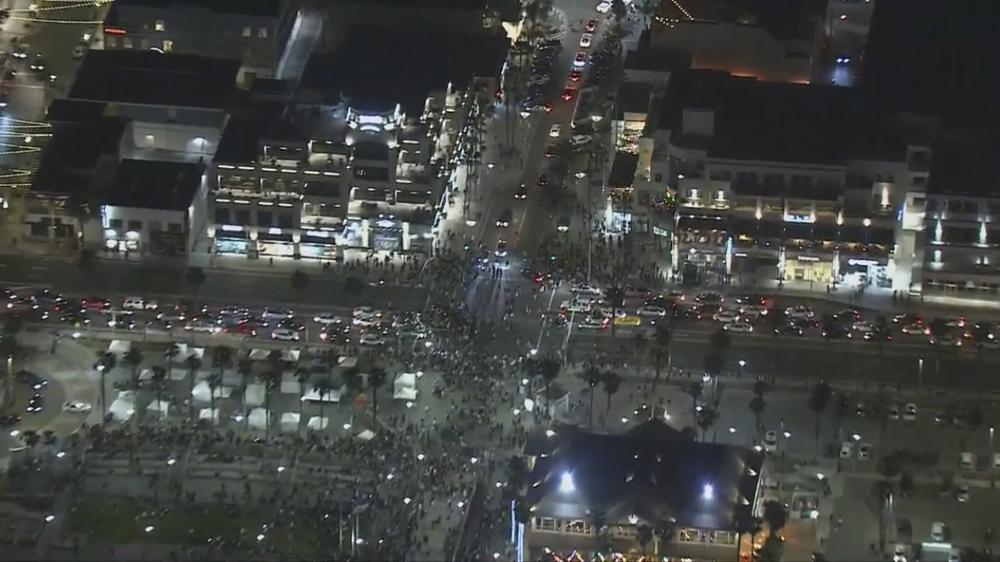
[168,45]
[173,227]
[115,223]
[262,33]
[127,42]
[545,523]
[135,225]
[110,41]
[222,216]
[158,26]
[242,217]
[246,31]
[265,218]
[284,220]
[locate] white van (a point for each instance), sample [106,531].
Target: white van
[937,531]
[139,303]
[578,141]
[966,460]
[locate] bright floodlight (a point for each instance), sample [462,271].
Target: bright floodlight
[50,518]
[707,492]
[566,483]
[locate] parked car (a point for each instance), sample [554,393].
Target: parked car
[76,407]
[31,380]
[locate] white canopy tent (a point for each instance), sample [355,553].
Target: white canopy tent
[317,423]
[158,407]
[290,422]
[366,435]
[258,354]
[347,361]
[290,383]
[258,418]
[203,393]
[186,351]
[119,347]
[405,387]
[123,407]
[255,394]
[290,355]
[211,414]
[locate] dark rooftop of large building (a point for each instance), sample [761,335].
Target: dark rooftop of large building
[147,77]
[149,184]
[652,471]
[260,8]
[936,57]
[779,122]
[253,124]
[645,57]
[374,69]
[782,19]
[967,167]
[74,152]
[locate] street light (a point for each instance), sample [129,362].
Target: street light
[742,364]
[856,437]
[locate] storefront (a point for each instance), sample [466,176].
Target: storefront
[275,244]
[387,235]
[858,269]
[113,242]
[320,245]
[807,267]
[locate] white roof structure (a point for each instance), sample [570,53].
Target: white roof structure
[347,361]
[158,407]
[145,375]
[405,387]
[119,347]
[290,422]
[258,418]
[258,354]
[122,409]
[255,394]
[178,373]
[366,435]
[203,393]
[211,414]
[290,354]
[187,351]
[333,395]
[317,423]
[290,383]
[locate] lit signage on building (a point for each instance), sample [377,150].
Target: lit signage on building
[800,218]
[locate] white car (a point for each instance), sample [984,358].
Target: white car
[574,306]
[916,329]
[284,334]
[586,40]
[603,7]
[587,290]
[365,311]
[863,327]
[727,315]
[76,407]
[753,310]
[652,310]
[771,441]
[277,314]
[139,303]
[327,318]
[864,451]
[846,450]
[555,131]
[595,322]
[962,493]
[202,327]
[910,412]
[799,312]
[365,321]
[371,340]
[966,460]
[739,327]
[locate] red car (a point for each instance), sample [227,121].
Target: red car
[591,26]
[575,76]
[95,303]
[241,329]
[568,94]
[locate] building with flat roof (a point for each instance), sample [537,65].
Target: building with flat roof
[254,32]
[585,486]
[182,121]
[775,40]
[779,180]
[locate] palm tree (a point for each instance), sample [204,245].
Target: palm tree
[222,357]
[713,362]
[819,398]
[159,376]
[705,418]
[745,524]
[376,379]
[720,341]
[271,379]
[302,375]
[171,353]
[757,405]
[214,381]
[300,280]
[612,382]
[133,357]
[776,516]
[665,533]
[323,387]
[661,352]
[694,390]
[615,298]
[195,278]
[352,378]
[245,369]
[193,363]
[593,376]
[881,331]
[644,536]
[105,363]
[548,368]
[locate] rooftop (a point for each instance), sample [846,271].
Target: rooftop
[935,57]
[782,19]
[778,121]
[651,471]
[623,169]
[74,152]
[66,110]
[151,78]
[645,57]
[965,168]
[260,8]
[148,184]
[254,124]
[374,69]
[633,97]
